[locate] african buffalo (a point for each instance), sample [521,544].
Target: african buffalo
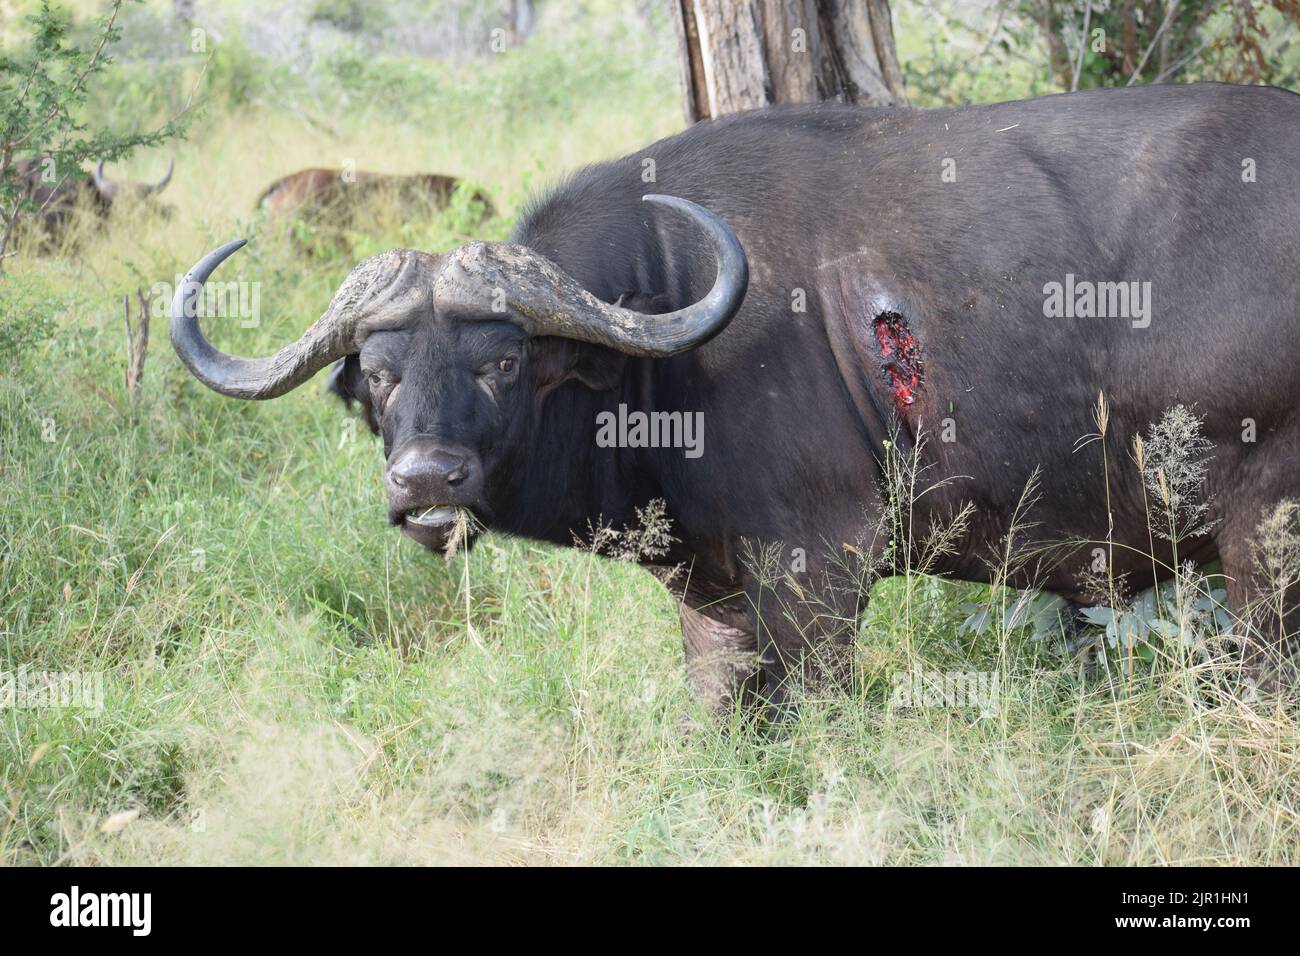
[58,197]
[336,193]
[899,268]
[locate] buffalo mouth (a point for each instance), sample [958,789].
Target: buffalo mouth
[437,527]
[434,516]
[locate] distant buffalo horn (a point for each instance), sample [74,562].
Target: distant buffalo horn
[542,299]
[105,185]
[108,188]
[385,291]
[161,184]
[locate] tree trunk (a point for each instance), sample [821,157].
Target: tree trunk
[743,54]
[519,18]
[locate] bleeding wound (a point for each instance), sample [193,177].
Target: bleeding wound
[900,358]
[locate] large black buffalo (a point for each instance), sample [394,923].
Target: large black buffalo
[997,266]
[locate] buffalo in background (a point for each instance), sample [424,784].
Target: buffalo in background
[335,197]
[58,198]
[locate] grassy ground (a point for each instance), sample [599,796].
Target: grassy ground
[285,681]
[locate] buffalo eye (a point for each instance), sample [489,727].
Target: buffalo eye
[506,366]
[381,387]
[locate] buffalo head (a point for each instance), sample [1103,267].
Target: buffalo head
[112,190]
[57,200]
[450,354]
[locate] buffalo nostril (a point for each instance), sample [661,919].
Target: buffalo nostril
[427,474]
[446,467]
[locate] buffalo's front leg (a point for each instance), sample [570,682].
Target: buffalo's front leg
[805,639]
[721,656]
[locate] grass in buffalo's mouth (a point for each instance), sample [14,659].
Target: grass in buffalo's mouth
[433,515]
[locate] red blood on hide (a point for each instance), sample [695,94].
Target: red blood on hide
[900,355]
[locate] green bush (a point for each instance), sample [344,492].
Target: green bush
[351,16]
[27,318]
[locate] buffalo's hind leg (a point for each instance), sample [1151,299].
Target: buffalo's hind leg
[1260,550]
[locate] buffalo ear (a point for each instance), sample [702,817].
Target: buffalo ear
[556,361]
[338,381]
[348,383]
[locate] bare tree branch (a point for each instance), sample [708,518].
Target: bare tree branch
[1083,46]
[1169,16]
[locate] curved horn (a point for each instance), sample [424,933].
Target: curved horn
[103,184]
[383,292]
[542,299]
[161,184]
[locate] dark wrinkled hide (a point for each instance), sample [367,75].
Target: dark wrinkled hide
[921,294]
